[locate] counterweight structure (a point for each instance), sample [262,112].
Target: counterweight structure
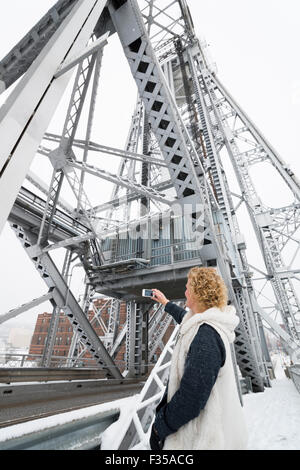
[170,206]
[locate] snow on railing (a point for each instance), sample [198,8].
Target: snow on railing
[295,375]
[136,428]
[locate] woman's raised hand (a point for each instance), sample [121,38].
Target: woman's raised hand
[159,297]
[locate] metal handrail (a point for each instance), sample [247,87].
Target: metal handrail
[33,361]
[294,372]
[80,434]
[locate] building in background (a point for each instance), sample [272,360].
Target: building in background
[14,346]
[64,336]
[20,338]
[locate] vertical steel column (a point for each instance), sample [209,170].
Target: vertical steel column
[50,340]
[248,336]
[137,339]
[265,224]
[75,343]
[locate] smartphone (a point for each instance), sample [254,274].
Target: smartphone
[147,293]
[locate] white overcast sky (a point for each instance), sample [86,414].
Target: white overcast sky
[255,44]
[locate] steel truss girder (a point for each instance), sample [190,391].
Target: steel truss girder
[73,241]
[113,323]
[59,156]
[54,190]
[94,147]
[176,146]
[36,181]
[108,333]
[153,90]
[247,346]
[118,201]
[75,343]
[23,308]
[292,346]
[122,181]
[19,59]
[258,139]
[179,24]
[137,338]
[93,50]
[28,212]
[64,299]
[28,110]
[267,226]
[126,166]
[51,335]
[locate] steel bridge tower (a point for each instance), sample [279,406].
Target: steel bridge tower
[170,206]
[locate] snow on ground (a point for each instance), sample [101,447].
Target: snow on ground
[273,417]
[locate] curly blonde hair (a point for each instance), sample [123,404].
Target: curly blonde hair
[208,287]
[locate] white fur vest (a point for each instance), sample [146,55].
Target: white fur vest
[221,424]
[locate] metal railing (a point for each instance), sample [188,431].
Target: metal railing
[294,372]
[43,374]
[12,360]
[80,434]
[162,252]
[168,241]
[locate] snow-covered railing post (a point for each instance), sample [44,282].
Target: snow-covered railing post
[136,430]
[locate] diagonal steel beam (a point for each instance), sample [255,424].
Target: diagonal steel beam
[27,112]
[20,58]
[23,308]
[94,147]
[122,181]
[64,299]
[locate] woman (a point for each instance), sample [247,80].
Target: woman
[201,407]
